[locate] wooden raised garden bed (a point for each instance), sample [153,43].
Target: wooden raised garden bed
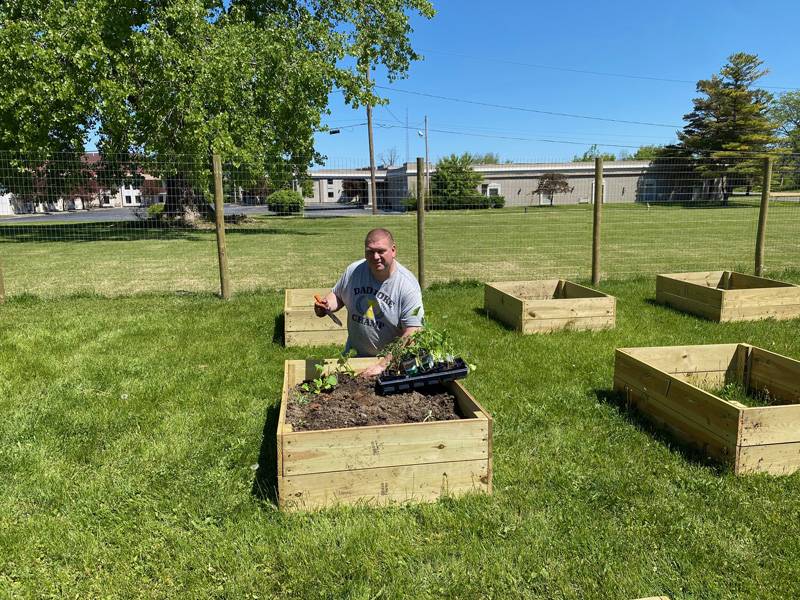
[548,305]
[301,327]
[729,296]
[381,464]
[670,385]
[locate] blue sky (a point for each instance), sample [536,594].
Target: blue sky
[496,53]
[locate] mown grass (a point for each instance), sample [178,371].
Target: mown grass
[272,252]
[136,450]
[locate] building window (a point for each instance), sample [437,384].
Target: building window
[330,181]
[106,200]
[490,189]
[330,194]
[128,199]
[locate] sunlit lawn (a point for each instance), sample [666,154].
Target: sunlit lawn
[136,460]
[272,252]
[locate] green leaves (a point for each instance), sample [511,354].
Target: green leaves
[172,82]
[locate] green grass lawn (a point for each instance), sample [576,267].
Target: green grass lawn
[136,457]
[269,253]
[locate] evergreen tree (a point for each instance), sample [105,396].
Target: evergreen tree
[729,128]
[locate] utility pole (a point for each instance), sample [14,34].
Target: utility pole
[373,186]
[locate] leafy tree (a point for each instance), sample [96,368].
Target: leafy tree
[592,153]
[646,153]
[729,119]
[551,184]
[455,183]
[489,158]
[164,84]
[786,115]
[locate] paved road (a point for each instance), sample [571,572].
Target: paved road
[105,215]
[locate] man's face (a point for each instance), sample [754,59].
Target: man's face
[380,253]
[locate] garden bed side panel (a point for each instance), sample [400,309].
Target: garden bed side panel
[696,417]
[775,302]
[382,464]
[578,308]
[770,435]
[502,306]
[302,327]
[688,296]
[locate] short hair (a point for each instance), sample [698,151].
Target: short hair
[378,233]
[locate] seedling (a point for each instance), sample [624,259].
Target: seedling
[325,383]
[321,383]
[424,358]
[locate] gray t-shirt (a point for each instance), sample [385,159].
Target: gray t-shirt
[378,312]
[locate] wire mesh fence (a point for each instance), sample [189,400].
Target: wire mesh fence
[115,225]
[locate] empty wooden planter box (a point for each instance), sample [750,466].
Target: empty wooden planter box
[670,385]
[548,305]
[381,464]
[301,327]
[729,296]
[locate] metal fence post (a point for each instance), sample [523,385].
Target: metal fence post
[762,216]
[598,203]
[421,221]
[2,285]
[219,214]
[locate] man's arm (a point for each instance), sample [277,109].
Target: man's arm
[381,365]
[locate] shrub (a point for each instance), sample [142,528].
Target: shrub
[155,211]
[285,202]
[497,201]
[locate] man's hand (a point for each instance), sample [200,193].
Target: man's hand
[321,307]
[374,370]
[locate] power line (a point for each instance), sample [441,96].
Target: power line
[524,109]
[504,137]
[584,71]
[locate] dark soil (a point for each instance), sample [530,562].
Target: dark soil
[354,403]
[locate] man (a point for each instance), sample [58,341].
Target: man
[383,299]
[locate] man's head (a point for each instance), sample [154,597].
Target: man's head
[380,250]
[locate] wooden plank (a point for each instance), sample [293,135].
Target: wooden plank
[775,459]
[536,289]
[384,446]
[742,281]
[299,319]
[686,402]
[568,309]
[676,423]
[385,485]
[303,297]
[315,338]
[768,296]
[742,360]
[690,290]
[502,306]
[705,278]
[760,312]
[770,425]
[574,290]
[573,324]
[686,359]
[681,302]
[778,375]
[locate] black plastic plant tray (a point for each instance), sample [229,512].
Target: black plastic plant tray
[392,384]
